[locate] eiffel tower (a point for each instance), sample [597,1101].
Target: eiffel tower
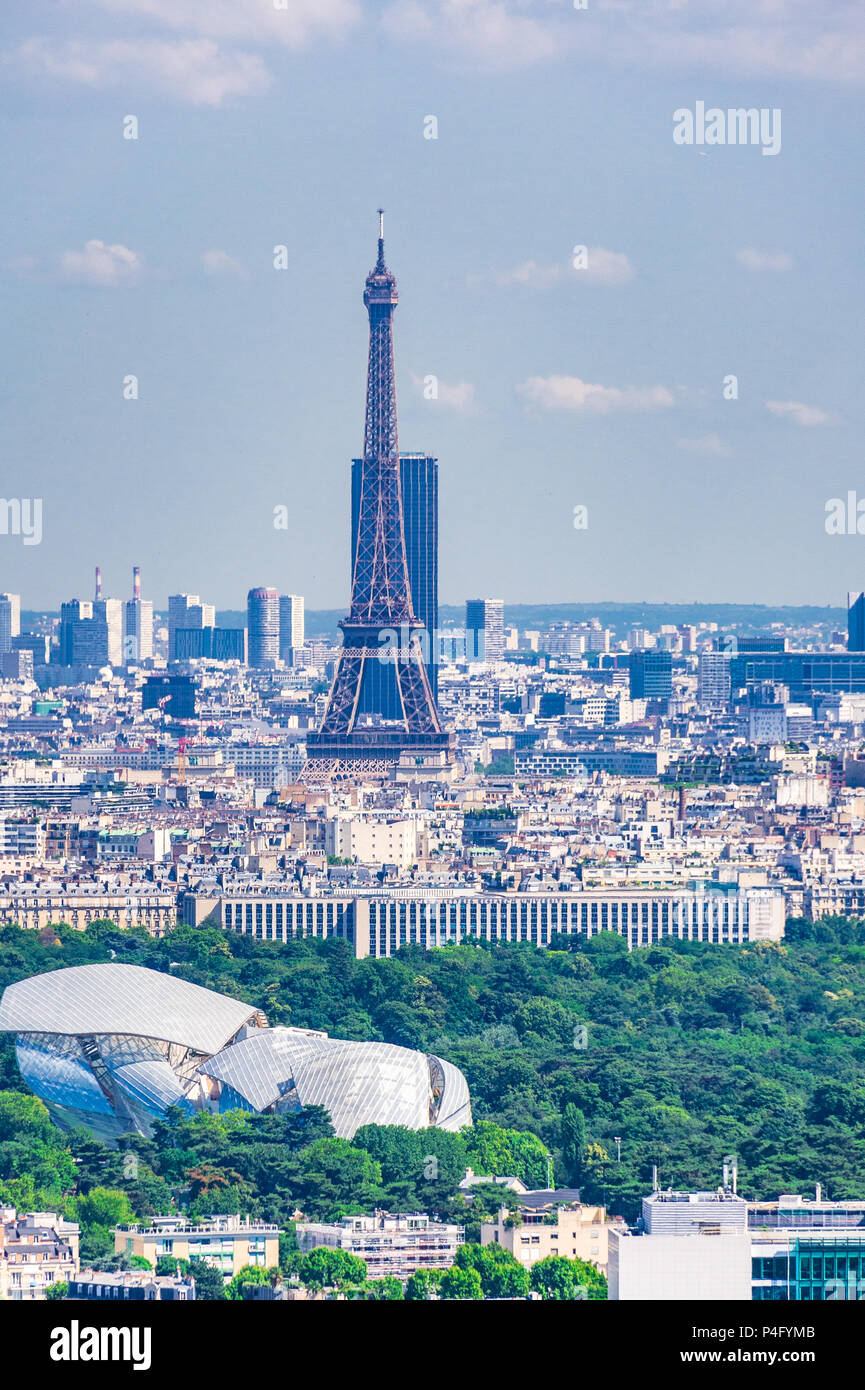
[381,624]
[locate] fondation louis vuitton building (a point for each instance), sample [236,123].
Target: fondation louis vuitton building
[113,1046]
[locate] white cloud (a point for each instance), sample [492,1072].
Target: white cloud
[708,444]
[496,34]
[218,262]
[799,413]
[459,396]
[296,24]
[539,277]
[602,267]
[195,70]
[570,393]
[99,264]
[740,38]
[764,260]
[605,267]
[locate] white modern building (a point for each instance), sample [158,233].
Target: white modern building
[693,1246]
[10,620]
[291,625]
[713,684]
[268,765]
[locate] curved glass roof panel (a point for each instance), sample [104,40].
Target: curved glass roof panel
[130,999]
[153,1084]
[64,1079]
[357,1082]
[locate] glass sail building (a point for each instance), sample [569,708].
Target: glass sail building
[358,1083]
[111,1047]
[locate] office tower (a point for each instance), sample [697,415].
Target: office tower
[10,620]
[138,623]
[856,621]
[229,644]
[174,695]
[74,612]
[485,630]
[91,633]
[290,625]
[381,609]
[187,611]
[651,674]
[104,641]
[713,681]
[418,475]
[262,607]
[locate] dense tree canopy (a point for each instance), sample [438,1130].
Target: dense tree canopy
[684,1051]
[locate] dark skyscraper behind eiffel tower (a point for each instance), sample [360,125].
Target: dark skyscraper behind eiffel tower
[382,623]
[419,487]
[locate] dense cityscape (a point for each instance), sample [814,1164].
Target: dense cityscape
[432,674]
[594,794]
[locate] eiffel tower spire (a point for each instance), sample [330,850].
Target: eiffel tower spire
[381,616]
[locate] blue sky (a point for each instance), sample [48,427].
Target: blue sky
[261,127]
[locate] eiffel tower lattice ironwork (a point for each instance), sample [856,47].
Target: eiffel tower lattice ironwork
[381,624]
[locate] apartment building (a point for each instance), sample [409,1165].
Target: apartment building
[39,905]
[22,839]
[396,1245]
[384,841]
[229,1243]
[37,1249]
[550,1223]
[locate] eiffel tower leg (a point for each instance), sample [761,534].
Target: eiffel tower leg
[421,715]
[341,709]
